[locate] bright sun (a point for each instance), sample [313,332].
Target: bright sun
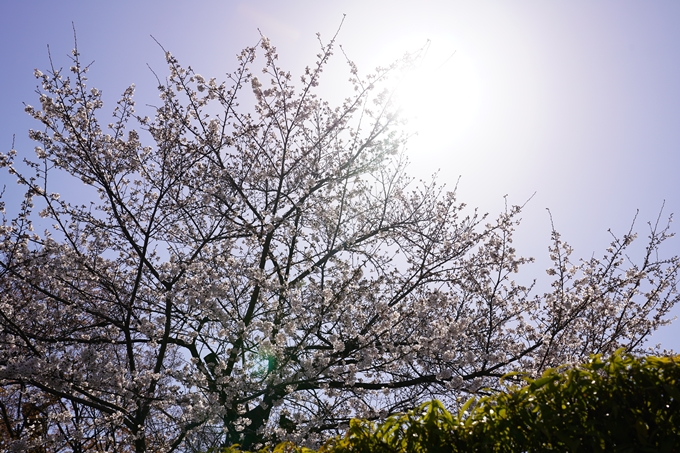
[440,96]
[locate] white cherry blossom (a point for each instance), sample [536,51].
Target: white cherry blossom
[254,263]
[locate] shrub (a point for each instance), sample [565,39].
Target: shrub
[623,404]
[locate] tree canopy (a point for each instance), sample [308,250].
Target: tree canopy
[252,263]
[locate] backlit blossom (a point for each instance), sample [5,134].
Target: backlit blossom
[250,269]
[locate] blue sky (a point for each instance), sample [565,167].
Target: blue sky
[576,101]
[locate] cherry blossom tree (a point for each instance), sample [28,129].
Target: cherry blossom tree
[253,263]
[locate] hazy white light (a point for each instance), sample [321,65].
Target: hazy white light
[440,96]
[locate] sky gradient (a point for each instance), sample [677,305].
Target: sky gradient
[577,102]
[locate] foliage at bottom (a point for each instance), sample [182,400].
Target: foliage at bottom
[623,404]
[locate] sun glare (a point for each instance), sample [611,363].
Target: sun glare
[440,96]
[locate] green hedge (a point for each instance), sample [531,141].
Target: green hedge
[623,404]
